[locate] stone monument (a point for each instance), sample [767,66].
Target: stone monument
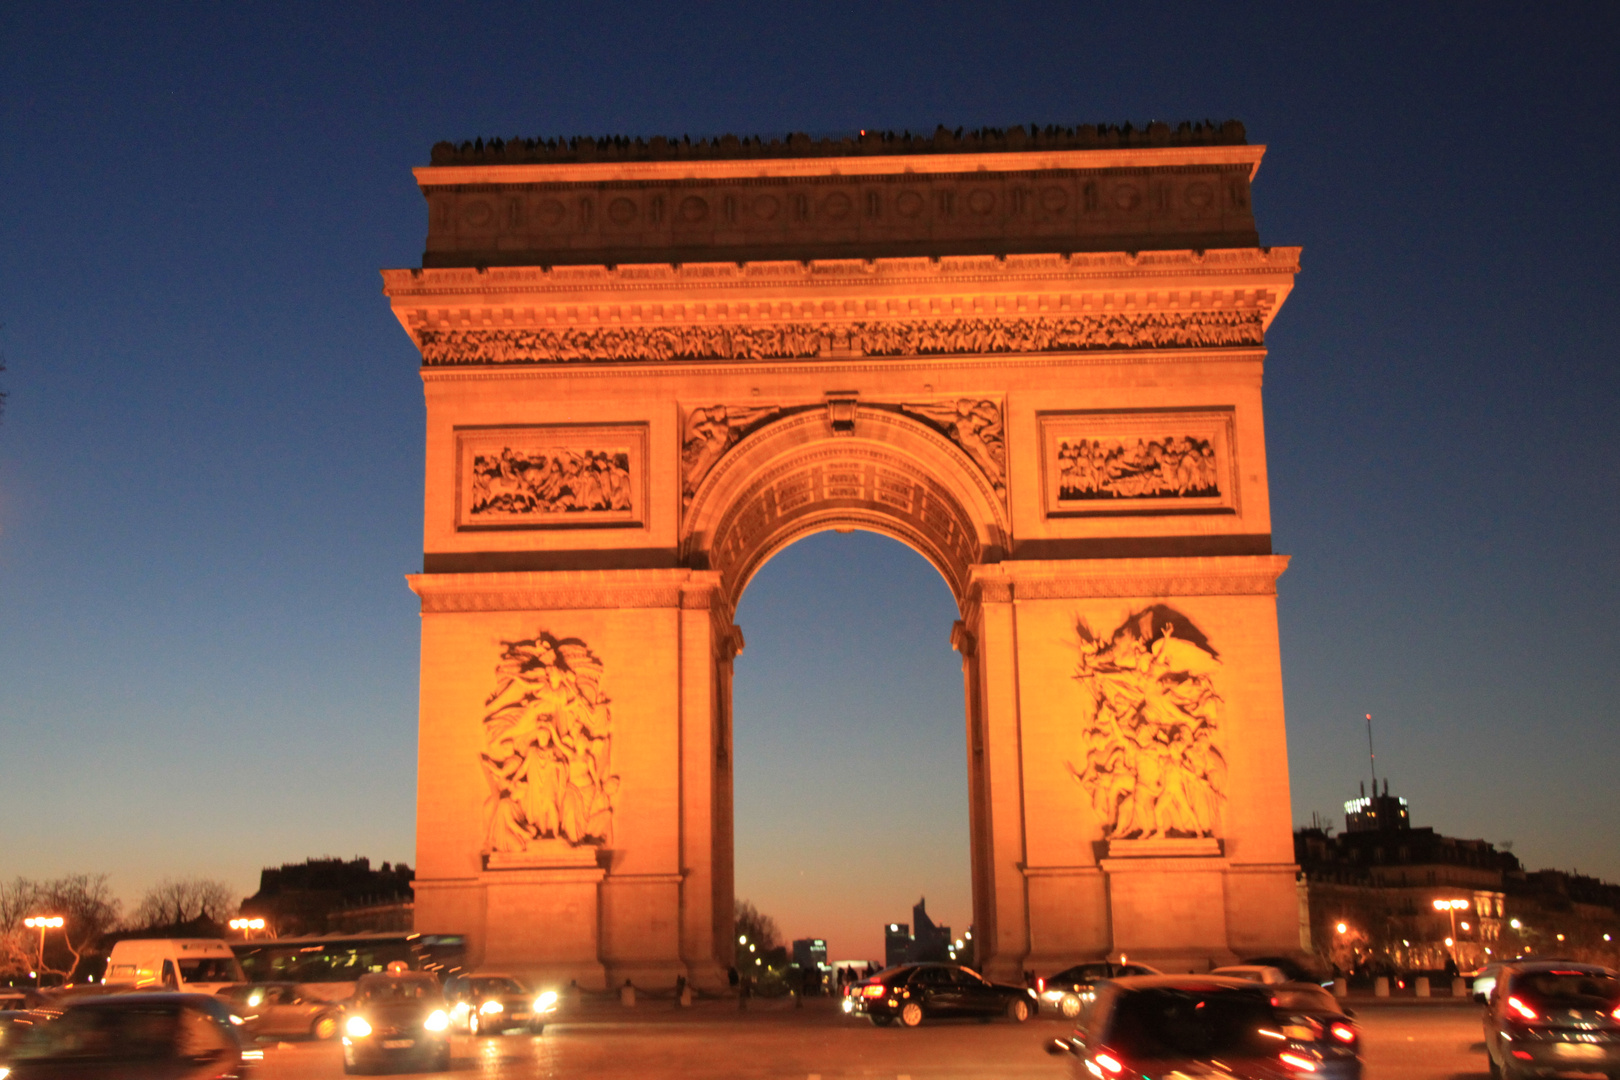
[1035,357]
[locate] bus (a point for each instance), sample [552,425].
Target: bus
[326,966]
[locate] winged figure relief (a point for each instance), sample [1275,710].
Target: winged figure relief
[548,739]
[974,424]
[709,433]
[1150,727]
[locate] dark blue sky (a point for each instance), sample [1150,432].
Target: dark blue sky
[210,459]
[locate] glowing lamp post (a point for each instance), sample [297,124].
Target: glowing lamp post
[248,926]
[43,923]
[1451,907]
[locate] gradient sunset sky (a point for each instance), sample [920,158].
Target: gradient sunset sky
[211,454]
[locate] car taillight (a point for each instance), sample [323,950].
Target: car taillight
[1296,1062]
[1616,1013]
[873,991]
[1040,985]
[1521,1008]
[1344,1033]
[1108,1063]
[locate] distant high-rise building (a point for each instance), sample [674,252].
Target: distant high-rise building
[1378,813]
[896,944]
[930,942]
[810,953]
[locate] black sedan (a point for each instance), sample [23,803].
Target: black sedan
[133,1037]
[914,992]
[1073,988]
[1553,1017]
[1192,1025]
[495,1004]
[396,1019]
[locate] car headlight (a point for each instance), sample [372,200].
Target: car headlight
[438,1020]
[256,999]
[357,1026]
[546,1001]
[237,1020]
[490,1007]
[1053,995]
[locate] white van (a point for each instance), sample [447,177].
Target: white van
[191,965]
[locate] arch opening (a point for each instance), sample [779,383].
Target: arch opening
[851,796]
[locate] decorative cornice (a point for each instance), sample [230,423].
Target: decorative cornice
[437,282]
[562,590]
[976,336]
[1242,575]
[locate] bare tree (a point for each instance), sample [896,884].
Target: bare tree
[759,928]
[173,901]
[88,910]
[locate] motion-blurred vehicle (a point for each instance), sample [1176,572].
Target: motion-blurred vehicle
[495,1004]
[1071,989]
[146,1036]
[1312,1015]
[1264,974]
[279,1009]
[1553,1017]
[192,965]
[1191,1025]
[396,1018]
[14,1025]
[1484,981]
[912,993]
[1293,968]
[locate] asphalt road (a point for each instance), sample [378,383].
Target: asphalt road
[771,1042]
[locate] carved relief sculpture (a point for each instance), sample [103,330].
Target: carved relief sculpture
[1176,466]
[560,482]
[973,424]
[1151,727]
[786,341]
[548,740]
[550,476]
[708,434]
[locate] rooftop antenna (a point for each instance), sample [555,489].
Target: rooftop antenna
[1372,758]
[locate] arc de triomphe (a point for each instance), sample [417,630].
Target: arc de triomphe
[1034,357]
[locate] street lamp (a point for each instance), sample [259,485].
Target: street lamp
[43,923]
[1451,907]
[1342,928]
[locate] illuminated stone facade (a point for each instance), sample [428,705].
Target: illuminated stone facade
[1038,363]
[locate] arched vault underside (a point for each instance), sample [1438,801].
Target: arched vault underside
[877,469]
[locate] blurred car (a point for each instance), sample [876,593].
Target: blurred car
[1553,1017]
[1073,988]
[15,1025]
[1312,1015]
[134,1037]
[1295,970]
[1191,1025]
[912,993]
[1264,974]
[394,1019]
[494,1004]
[1484,981]
[278,1009]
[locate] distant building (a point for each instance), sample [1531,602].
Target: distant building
[1378,813]
[810,953]
[1371,894]
[321,896]
[896,944]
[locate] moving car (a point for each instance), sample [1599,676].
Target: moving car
[1159,1025]
[1073,988]
[1484,981]
[147,1036]
[1264,974]
[280,1009]
[1553,1017]
[912,993]
[1312,1015]
[495,1004]
[396,1018]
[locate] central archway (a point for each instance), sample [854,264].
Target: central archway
[871,468]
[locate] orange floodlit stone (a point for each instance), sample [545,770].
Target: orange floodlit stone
[1036,361]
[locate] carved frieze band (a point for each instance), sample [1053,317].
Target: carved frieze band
[564,590]
[789,341]
[1242,576]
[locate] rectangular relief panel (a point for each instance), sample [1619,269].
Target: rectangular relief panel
[551,476]
[1138,462]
